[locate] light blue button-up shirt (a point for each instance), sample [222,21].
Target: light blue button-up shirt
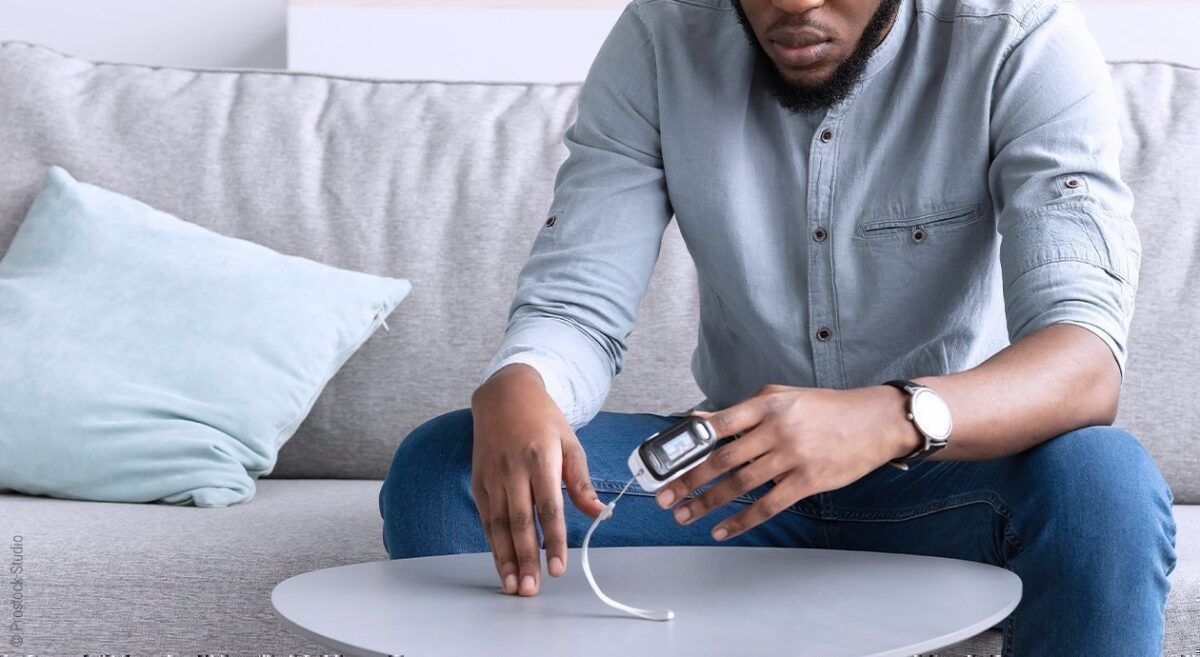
[966,194]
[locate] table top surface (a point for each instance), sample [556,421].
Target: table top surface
[727,601]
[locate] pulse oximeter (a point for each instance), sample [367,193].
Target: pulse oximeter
[666,455]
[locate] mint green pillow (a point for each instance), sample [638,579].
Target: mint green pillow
[146,358]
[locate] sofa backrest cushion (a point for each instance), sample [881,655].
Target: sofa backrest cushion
[446,184]
[1160,159]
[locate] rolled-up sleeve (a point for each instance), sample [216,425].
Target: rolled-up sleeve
[578,293]
[1069,251]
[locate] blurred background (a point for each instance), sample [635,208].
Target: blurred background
[500,40]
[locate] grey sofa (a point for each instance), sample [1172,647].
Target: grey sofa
[445,184]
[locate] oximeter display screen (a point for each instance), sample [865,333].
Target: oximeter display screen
[678,446]
[673,449]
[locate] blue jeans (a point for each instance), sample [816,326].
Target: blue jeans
[1083,519]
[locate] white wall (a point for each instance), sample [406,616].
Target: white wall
[253,33]
[1146,29]
[205,33]
[555,40]
[423,41]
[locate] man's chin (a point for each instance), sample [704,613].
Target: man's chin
[832,78]
[806,87]
[809,77]
[806,82]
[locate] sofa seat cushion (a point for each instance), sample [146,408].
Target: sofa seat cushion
[117,578]
[198,581]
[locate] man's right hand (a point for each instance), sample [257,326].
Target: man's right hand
[524,449]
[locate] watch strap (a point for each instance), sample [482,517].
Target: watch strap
[903,384]
[909,387]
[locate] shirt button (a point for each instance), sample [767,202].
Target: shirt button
[823,334]
[827,136]
[918,234]
[551,220]
[1072,183]
[819,234]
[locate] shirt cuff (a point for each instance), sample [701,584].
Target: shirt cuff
[1072,292]
[575,374]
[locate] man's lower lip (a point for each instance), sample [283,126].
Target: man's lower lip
[802,56]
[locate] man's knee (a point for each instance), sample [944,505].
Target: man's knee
[1105,460]
[447,437]
[1103,488]
[426,501]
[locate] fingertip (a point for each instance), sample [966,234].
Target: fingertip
[557,566]
[589,506]
[665,498]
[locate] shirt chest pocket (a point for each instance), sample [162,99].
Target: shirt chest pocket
[919,286]
[925,227]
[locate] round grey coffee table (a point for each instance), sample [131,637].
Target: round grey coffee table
[727,601]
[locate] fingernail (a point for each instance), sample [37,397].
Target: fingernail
[556,565]
[666,497]
[682,514]
[527,584]
[510,583]
[719,533]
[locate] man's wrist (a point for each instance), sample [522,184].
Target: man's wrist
[901,434]
[518,373]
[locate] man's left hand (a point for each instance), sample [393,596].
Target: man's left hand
[806,440]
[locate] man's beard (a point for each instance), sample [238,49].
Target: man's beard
[823,95]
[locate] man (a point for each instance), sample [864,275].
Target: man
[872,191]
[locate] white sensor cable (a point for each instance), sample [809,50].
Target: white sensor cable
[647,614]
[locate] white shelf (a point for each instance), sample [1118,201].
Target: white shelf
[474,40]
[556,40]
[479,4]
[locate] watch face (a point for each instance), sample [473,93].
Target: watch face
[931,414]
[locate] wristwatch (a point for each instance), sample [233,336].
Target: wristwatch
[931,416]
